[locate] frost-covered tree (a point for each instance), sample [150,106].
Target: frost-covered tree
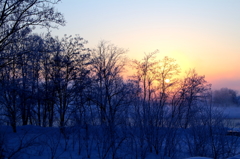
[107,65]
[23,73]
[225,97]
[109,94]
[68,71]
[192,91]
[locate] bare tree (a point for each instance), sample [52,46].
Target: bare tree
[22,16]
[10,86]
[155,80]
[110,94]
[108,62]
[194,88]
[68,69]
[17,19]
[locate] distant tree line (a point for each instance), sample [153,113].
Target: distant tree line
[56,82]
[226,97]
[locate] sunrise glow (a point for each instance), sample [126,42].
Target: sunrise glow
[200,35]
[123,79]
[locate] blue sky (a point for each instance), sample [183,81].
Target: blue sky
[200,34]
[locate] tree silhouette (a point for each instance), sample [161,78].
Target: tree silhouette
[20,17]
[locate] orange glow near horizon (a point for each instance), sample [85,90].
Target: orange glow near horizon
[200,35]
[214,74]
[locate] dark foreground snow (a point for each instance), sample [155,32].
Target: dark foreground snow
[35,142]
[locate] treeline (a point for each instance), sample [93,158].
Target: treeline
[51,82]
[54,82]
[226,97]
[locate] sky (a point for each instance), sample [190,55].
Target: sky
[199,34]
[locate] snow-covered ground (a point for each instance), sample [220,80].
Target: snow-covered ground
[232,112]
[48,143]
[235,157]
[198,158]
[33,142]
